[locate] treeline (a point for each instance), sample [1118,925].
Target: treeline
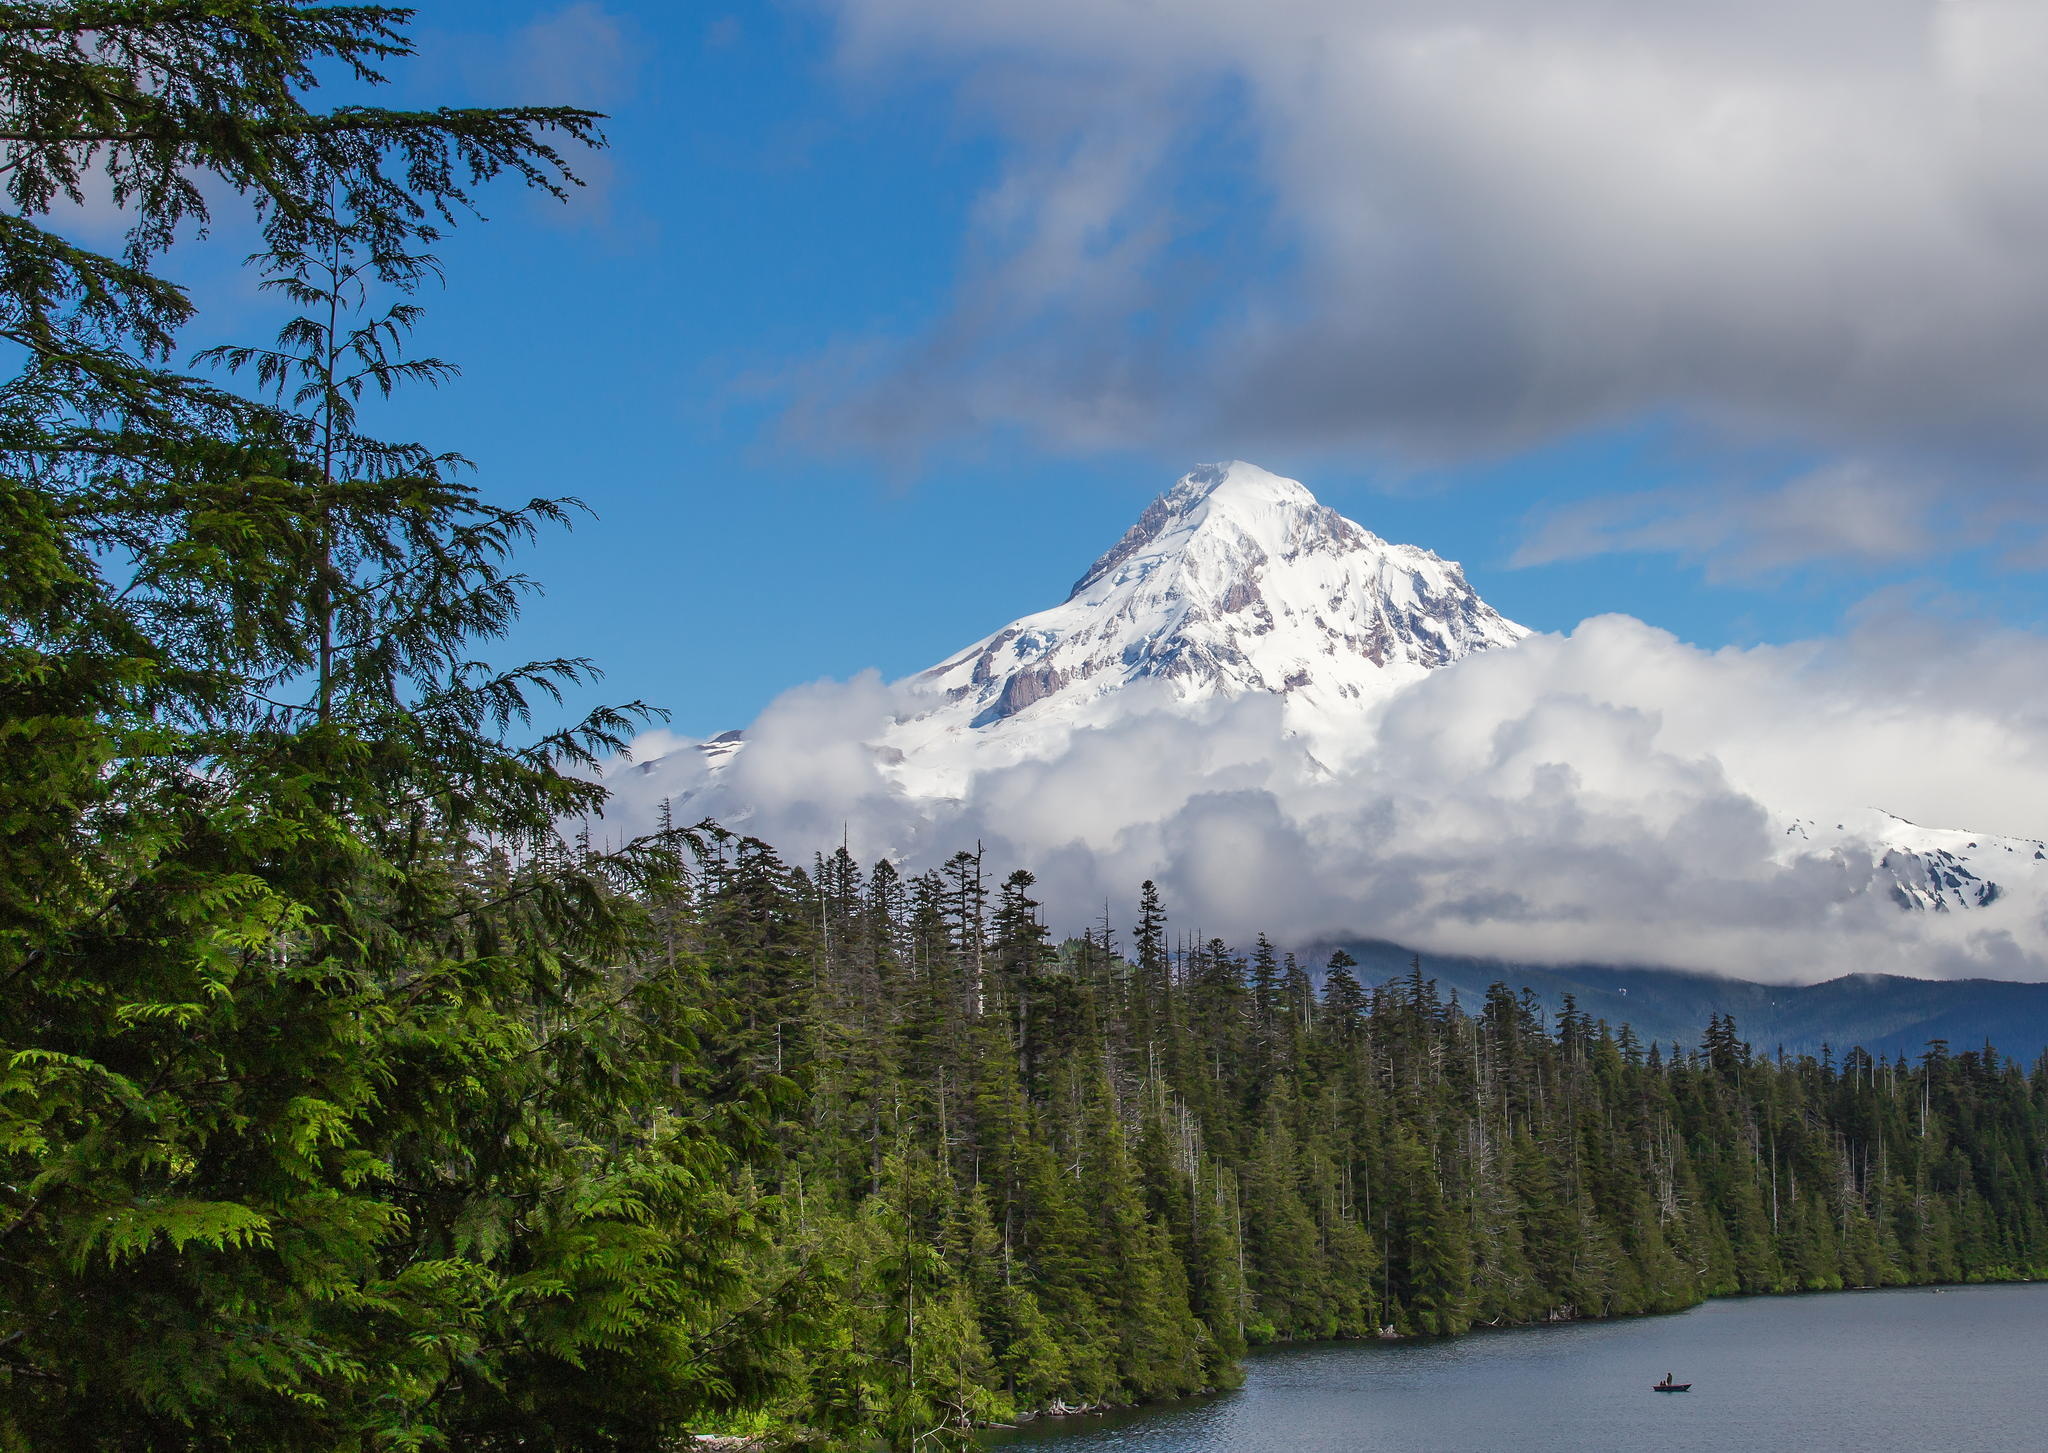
[1094,1171]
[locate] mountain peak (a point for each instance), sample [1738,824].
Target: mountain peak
[1234,481]
[1265,513]
[1236,581]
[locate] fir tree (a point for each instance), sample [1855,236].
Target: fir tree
[340,1104]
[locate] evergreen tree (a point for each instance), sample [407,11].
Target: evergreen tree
[340,1104]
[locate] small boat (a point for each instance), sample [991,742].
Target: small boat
[1667,1385]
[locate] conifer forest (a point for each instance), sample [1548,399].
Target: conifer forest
[345,1103]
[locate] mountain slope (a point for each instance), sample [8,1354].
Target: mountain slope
[1234,582]
[1932,868]
[1884,1013]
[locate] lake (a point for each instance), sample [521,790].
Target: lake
[1956,1370]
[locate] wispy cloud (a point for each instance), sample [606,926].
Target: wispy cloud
[580,55]
[1848,511]
[584,54]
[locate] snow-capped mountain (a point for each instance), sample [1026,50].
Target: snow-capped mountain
[1233,582]
[1936,869]
[1233,585]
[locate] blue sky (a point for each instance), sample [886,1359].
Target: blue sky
[799,197]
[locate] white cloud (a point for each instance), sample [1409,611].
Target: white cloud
[1609,795]
[1465,225]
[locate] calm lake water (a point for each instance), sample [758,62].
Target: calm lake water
[1957,1371]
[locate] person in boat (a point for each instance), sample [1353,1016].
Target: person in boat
[1668,1380]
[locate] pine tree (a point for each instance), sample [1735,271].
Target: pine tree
[1343,998]
[314,1030]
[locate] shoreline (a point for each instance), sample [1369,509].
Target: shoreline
[1061,1412]
[1798,1371]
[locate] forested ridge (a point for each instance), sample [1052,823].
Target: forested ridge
[347,1105]
[1095,1171]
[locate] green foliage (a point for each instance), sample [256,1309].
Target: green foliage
[340,1106]
[1098,1178]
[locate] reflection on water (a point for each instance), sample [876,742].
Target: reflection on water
[1909,1370]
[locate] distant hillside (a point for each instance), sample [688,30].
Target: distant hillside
[1883,1013]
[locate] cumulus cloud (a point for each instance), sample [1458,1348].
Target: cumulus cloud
[1447,226]
[1611,795]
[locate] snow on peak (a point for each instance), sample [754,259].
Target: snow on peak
[1220,504]
[1235,581]
[1240,490]
[1933,868]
